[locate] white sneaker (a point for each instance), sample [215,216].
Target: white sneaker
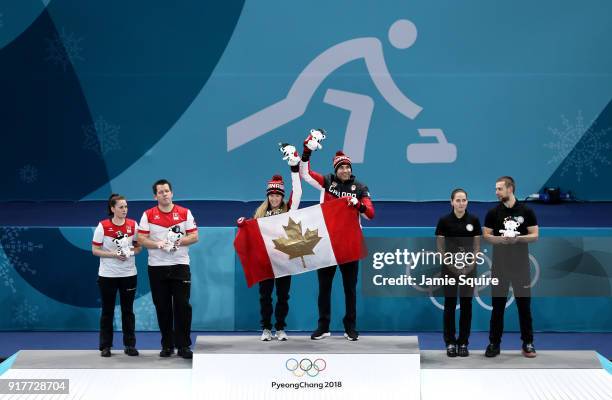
[266,335]
[281,335]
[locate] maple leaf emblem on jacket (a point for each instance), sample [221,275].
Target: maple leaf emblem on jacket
[297,244]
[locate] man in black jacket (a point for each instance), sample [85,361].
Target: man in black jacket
[510,227]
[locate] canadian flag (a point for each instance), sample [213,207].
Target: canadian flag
[300,241]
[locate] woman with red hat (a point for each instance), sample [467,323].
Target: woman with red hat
[274,204]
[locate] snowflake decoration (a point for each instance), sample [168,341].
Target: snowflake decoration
[577,149]
[12,247]
[6,270]
[28,173]
[64,49]
[25,314]
[101,137]
[144,310]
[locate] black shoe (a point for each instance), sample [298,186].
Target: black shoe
[528,350]
[130,351]
[320,333]
[351,334]
[105,352]
[451,350]
[166,352]
[463,350]
[185,352]
[492,350]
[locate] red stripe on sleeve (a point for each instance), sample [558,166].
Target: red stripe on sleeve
[290,200]
[96,244]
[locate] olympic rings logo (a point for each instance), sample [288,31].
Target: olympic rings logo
[305,367]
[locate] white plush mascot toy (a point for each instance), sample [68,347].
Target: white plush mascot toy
[314,139]
[124,245]
[172,237]
[290,154]
[510,228]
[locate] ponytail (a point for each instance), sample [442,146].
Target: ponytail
[112,200]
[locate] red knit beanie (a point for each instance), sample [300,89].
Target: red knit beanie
[276,185]
[341,159]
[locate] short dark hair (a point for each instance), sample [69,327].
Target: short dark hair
[112,200]
[509,181]
[458,190]
[161,182]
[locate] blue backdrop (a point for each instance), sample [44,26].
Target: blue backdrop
[47,284]
[112,95]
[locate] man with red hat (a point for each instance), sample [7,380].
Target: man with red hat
[343,184]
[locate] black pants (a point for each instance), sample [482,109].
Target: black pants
[108,293]
[466,294]
[282,301]
[349,282]
[518,276]
[171,289]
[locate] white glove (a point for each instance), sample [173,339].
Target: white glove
[509,233]
[290,154]
[127,252]
[314,139]
[168,247]
[171,241]
[124,247]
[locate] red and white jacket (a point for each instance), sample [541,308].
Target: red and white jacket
[157,223]
[104,235]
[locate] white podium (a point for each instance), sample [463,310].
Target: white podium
[375,368]
[243,367]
